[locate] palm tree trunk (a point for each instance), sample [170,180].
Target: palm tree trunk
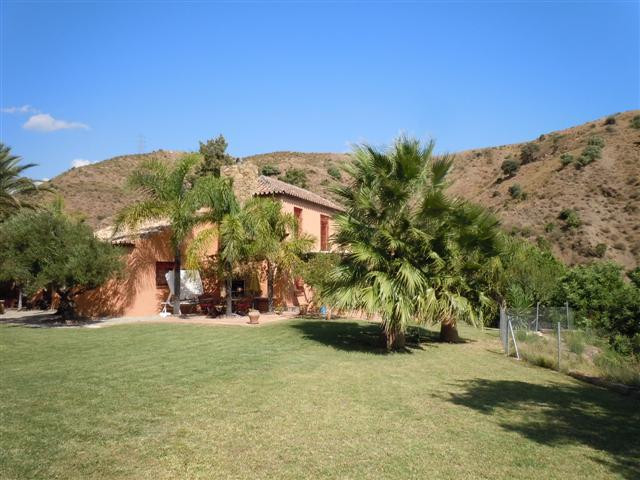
[270,282]
[395,338]
[228,288]
[176,282]
[449,331]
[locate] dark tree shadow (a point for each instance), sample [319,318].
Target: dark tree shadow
[565,414]
[359,337]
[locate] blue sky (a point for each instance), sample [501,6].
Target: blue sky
[305,76]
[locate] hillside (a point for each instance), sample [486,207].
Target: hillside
[604,194]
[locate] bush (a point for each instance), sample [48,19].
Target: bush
[516,191]
[270,170]
[590,154]
[529,153]
[295,176]
[600,250]
[334,172]
[635,122]
[566,159]
[605,302]
[570,218]
[510,166]
[549,227]
[610,120]
[597,141]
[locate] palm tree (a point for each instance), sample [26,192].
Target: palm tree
[227,220]
[13,186]
[168,194]
[410,251]
[277,241]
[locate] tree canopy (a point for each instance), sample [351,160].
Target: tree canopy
[214,154]
[42,249]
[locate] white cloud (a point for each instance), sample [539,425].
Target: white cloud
[22,109]
[43,122]
[80,162]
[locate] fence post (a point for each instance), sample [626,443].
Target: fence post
[537,315]
[559,342]
[515,344]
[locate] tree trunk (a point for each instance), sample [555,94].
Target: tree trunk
[449,331]
[19,298]
[270,286]
[395,339]
[228,288]
[66,306]
[176,282]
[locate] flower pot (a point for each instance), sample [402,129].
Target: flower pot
[254,315]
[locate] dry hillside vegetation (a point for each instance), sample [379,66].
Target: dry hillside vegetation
[599,202]
[583,212]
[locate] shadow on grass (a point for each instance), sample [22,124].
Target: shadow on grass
[564,414]
[360,337]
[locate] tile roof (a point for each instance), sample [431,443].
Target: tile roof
[273,186]
[126,236]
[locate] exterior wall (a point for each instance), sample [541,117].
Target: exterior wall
[311,213]
[136,294]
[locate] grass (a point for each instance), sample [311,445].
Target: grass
[302,399]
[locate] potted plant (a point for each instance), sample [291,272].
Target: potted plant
[254,315]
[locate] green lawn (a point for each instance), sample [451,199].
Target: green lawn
[303,399]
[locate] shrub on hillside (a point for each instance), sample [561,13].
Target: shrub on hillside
[334,172]
[516,192]
[510,166]
[270,170]
[295,176]
[590,154]
[570,218]
[597,141]
[566,159]
[600,250]
[549,227]
[529,153]
[635,122]
[610,120]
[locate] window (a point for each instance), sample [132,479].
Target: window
[161,269]
[297,213]
[324,233]
[237,288]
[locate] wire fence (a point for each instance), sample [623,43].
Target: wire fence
[543,333]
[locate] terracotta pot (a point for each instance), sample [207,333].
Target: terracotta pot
[254,315]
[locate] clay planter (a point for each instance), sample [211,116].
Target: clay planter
[254,315]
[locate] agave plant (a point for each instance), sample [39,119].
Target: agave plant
[411,252]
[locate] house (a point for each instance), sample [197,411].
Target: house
[143,288]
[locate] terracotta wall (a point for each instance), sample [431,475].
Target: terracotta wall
[311,214]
